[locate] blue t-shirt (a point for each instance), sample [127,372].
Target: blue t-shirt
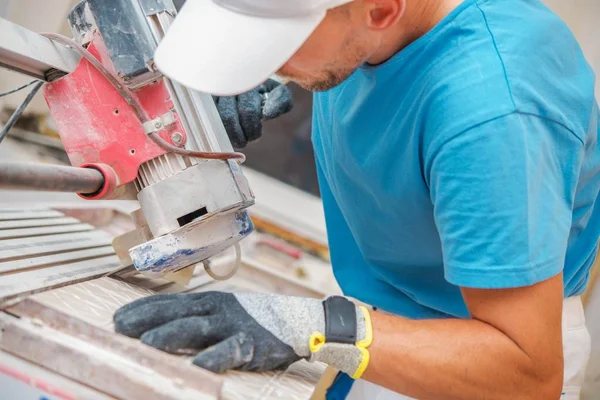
[469,159]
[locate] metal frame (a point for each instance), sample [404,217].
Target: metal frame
[197,111]
[32,54]
[199,208]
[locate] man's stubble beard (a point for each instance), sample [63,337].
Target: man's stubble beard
[331,80]
[332,75]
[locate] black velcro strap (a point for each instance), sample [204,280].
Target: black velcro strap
[340,320]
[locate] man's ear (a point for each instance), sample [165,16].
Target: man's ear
[382,14]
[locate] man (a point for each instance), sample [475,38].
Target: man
[456,145]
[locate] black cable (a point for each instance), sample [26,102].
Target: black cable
[19,111]
[18,89]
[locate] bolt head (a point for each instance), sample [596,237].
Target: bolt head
[158,124]
[177,138]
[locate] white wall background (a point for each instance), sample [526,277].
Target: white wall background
[583,16]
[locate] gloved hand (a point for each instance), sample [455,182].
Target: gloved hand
[242,115]
[251,331]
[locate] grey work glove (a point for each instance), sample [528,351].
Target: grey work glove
[242,115]
[251,331]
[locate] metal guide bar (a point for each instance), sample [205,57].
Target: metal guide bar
[32,54]
[41,231]
[33,223]
[54,259]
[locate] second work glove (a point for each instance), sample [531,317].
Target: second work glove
[242,115]
[251,331]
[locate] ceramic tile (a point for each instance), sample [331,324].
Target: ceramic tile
[96,301]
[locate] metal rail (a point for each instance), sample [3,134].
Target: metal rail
[32,54]
[50,178]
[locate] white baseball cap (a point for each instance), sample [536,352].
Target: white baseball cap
[227,47]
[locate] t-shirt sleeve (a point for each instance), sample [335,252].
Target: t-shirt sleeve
[503,193]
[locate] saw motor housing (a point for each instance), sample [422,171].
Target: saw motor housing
[191,209]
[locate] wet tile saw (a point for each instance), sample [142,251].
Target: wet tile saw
[131,133]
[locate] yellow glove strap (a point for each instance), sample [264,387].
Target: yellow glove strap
[317,341]
[364,344]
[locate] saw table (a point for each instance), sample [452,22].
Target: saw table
[52,302]
[58,303]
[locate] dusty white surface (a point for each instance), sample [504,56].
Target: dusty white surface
[582,17]
[96,301]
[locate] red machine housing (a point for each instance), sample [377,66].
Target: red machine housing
[100,130]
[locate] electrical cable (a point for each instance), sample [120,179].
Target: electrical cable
[135,105]
[83,52]
[196,154]
[18,89]
[19,111]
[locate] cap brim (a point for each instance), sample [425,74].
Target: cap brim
[214,50]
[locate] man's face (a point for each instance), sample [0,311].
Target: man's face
[332,53]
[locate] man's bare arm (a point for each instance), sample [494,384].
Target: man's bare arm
[510,349]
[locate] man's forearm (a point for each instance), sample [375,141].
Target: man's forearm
[456,359]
